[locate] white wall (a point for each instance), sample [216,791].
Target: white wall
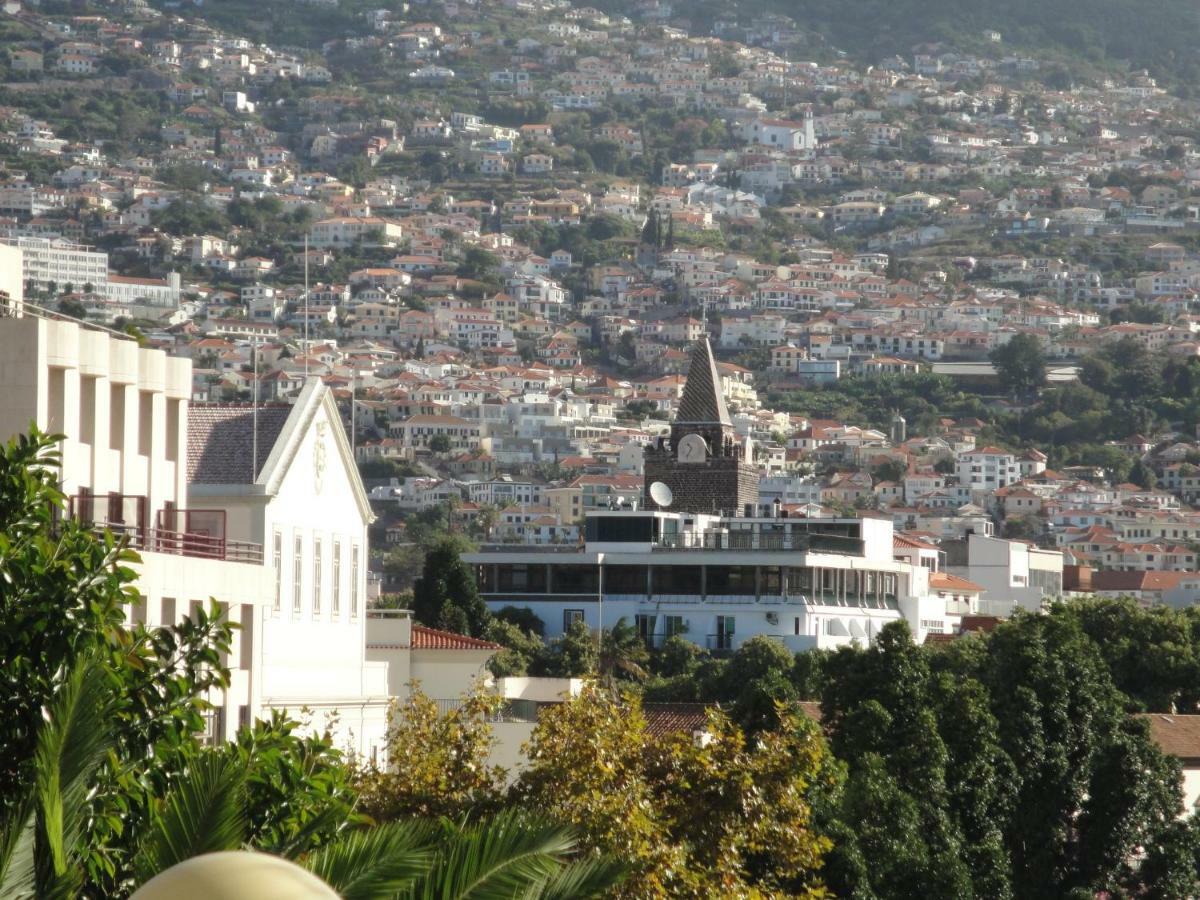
[171,585]
[66,377]
[12,278]
[314,655]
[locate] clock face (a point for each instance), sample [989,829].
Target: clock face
[692,449]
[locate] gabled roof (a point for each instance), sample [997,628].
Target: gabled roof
[219,446]
[702,401]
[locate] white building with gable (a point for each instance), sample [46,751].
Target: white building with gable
[286,478]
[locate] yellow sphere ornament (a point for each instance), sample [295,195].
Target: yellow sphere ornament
[235,875]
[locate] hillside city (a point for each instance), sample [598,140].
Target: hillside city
[488,350]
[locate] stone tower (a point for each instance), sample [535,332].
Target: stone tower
[703,461]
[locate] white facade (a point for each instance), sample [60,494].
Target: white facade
[306,506]
[122,411]
[62,262]
[1012,573]
[808,583]
[164,292]
[12,279]
[987,469]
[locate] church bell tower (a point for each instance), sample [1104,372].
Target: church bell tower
[703,462]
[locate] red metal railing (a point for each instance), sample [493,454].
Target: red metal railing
[193,532]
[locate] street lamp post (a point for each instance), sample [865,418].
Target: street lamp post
[600,606]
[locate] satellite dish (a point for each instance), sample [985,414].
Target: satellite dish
[661,495]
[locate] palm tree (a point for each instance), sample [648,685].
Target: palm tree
[623,653]
[43,846]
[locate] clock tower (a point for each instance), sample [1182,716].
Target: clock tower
[703,461]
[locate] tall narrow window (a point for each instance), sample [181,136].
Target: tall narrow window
[57,402]
[316,600]
[297,572]
[145,422]
[173,409]
[87,408]
[354,581]
[335,604]
[277,559]
[116,417]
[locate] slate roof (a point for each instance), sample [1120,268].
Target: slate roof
[1177,736]
[702,401]
[221,440]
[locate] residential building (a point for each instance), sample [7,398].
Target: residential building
[58,262]
[1014,574]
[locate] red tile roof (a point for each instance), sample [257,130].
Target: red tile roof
[664,719]
[432,639]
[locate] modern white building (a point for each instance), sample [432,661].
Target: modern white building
[1014,574]
[60,262]
[719,580]
[987,469]
[123,413]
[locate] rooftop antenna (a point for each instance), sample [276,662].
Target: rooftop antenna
[661,494]
[306,348]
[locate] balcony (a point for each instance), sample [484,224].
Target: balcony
[512,710]
[198,533]
[749,540]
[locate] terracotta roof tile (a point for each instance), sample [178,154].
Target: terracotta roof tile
[432,639]
[664,719]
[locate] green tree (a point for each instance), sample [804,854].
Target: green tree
[447,593]
[208,807]
[479,264]
[728,816]
[623,653]
[1020,364]
[571,656]
[63,594]
[450,776]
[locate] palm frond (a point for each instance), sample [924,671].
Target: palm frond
[17,866]
[581,880]
[497,858]
[71,746]
[376,862]
[204,812]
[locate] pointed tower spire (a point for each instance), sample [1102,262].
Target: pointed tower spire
[703,403]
